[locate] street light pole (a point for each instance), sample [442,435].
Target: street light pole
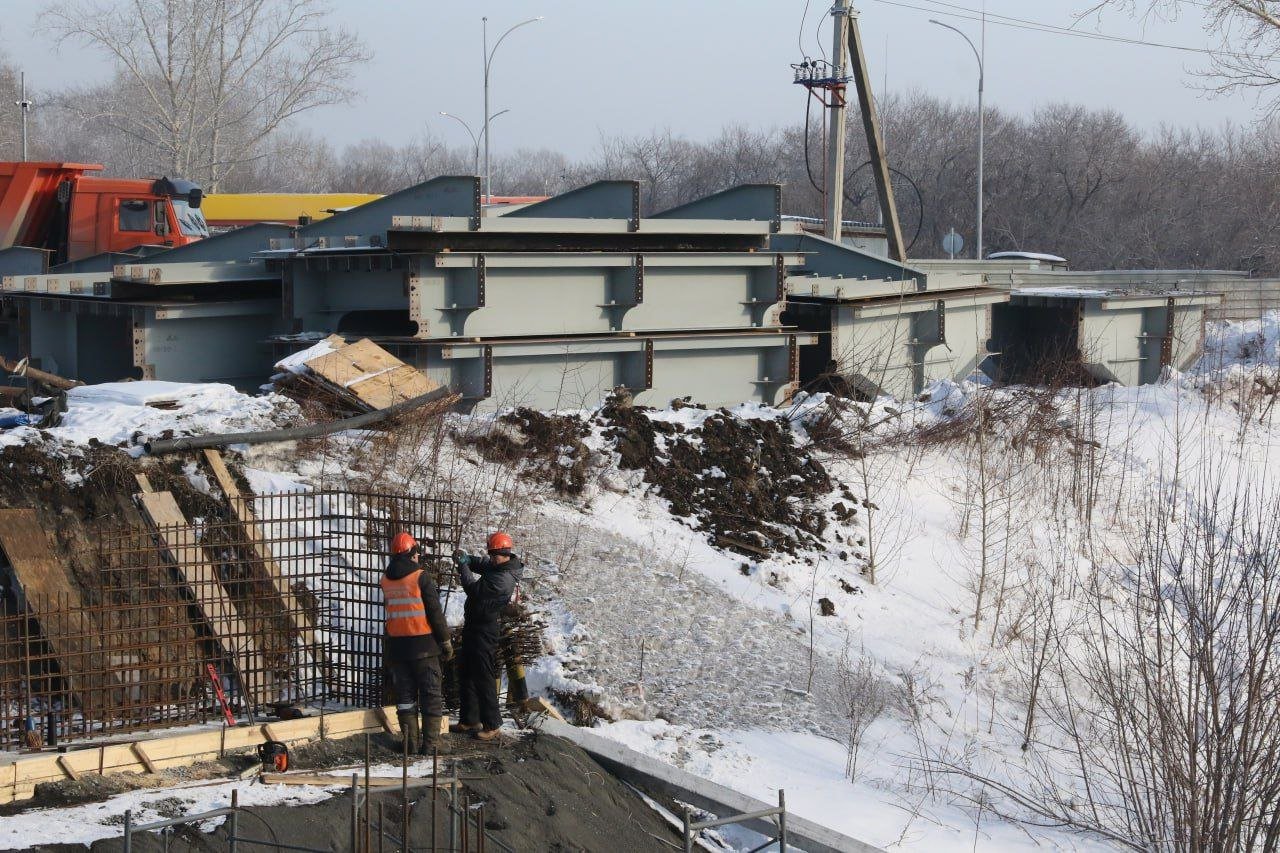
[982,74]
[24,104]
[475,141]
[488,61]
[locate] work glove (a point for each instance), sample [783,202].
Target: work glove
[461,558]
[446,650]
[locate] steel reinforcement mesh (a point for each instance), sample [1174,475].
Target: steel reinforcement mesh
[281,608]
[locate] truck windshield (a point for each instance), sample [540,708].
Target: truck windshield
[190,219]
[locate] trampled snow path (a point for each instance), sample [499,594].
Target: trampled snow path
[709,662]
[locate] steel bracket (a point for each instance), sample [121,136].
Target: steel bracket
[480,280]
[488,371]
[140,345]
[648,364]
[639,279]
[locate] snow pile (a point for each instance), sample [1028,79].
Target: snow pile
[1243,343]
[127,414]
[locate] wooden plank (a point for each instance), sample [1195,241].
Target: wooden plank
[372,375]
[539,705]
[183,545]
[395,386]
[19,777]
[66,765]
[299,619]
[49,587]
[144,482]
[141,752]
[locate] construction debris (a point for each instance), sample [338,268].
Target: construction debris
[350,378]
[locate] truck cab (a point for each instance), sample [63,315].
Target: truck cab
[61,208]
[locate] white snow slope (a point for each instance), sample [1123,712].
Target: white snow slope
[724,665]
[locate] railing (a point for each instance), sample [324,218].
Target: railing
[779,815]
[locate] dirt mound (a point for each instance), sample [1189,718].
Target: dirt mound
[744,480]
[549,446]
[539,793]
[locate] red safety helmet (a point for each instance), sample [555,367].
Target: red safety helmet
[403,543]
[500,543]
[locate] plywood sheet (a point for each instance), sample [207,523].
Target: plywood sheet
[50,590]
[183,545]
[371,374]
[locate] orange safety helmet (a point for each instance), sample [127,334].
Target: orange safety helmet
[500,543]
[403,543]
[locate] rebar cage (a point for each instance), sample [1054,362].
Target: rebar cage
[278,607]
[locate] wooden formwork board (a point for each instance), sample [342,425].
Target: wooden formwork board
[294,611]
[50,591]
[19,777]
[371,374]
[183,545]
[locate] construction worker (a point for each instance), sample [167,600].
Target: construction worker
[489,584]
[417,636]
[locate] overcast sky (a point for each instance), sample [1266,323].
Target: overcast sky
[606,67]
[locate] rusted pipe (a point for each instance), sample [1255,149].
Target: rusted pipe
[24,369]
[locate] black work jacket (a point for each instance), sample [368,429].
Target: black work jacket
[489,588]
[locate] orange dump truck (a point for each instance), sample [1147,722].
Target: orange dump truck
[61,208]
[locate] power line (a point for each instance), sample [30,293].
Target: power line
[968,14]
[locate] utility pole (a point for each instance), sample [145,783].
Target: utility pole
[835,130]
[875,141]
[24,104]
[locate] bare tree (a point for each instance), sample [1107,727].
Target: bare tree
[206,84]
[1248,32]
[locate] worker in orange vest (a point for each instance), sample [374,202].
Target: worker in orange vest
[489,584]
[417,637]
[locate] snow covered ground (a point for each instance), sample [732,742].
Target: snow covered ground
[732,666]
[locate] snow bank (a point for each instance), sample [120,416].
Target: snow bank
[128,414]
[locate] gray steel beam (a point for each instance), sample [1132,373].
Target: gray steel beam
[762,202]
[599,200]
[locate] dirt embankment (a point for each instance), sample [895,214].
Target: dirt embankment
[745,481]
[539,793]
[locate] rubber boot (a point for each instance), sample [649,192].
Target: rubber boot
[431,739]
[409,728]
[517,687]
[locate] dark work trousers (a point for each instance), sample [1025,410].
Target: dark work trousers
[418,682]
[477,674]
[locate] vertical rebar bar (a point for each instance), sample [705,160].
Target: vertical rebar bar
[480,829]
[687,819]
[782,821]
[435,789]
[466,820]
[367,805]
[128,831]
[404,792]
[355,811]
[382,823]
[234,821]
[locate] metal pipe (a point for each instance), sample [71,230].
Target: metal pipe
[198,442]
